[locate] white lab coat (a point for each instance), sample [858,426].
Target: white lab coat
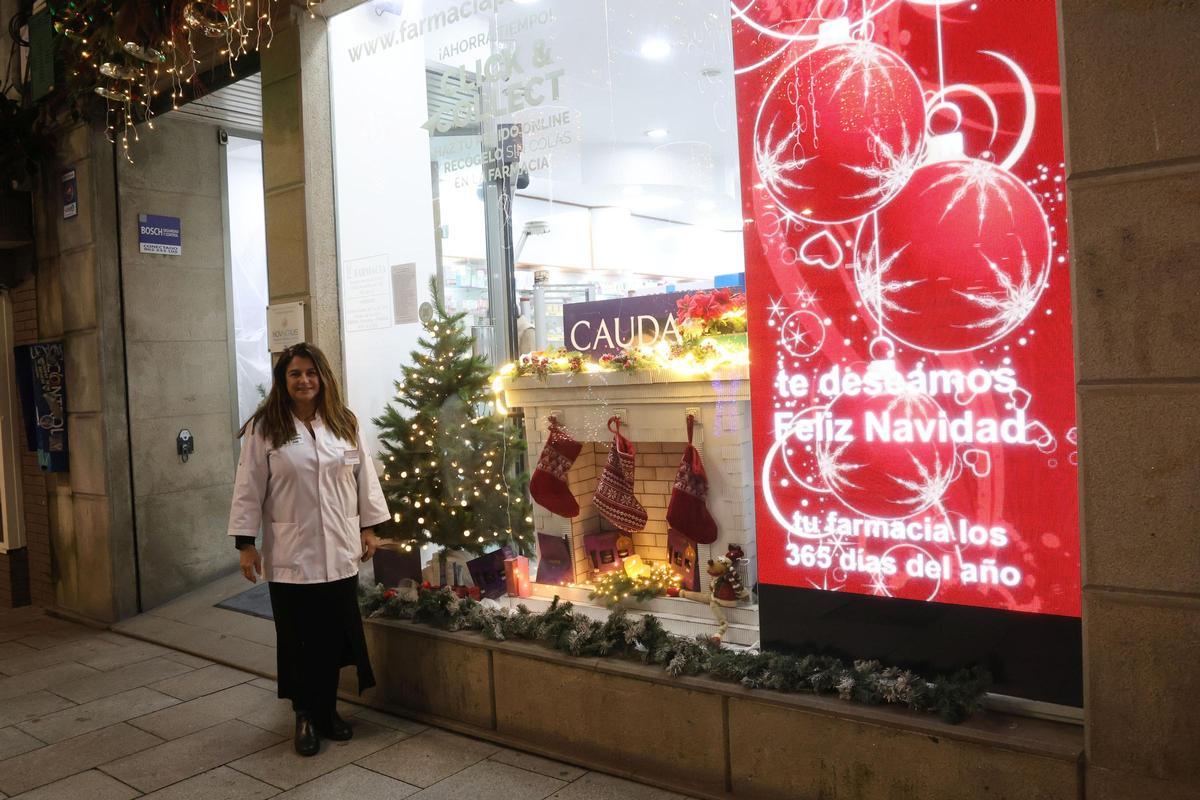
[310,498]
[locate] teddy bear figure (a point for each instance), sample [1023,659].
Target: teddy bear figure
[725,588]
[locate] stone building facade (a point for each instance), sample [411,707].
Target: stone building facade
[1130,68]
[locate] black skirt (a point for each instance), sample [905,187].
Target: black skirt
[318,630]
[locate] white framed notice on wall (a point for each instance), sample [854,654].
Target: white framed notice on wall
[366,294]
[285,325]
[404,294]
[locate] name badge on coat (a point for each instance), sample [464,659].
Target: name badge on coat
[350,457]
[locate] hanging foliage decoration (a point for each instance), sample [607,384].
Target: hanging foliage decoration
[128,52]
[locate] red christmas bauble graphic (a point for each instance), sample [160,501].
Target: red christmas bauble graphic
[893,476]
[958,259]
[839,132]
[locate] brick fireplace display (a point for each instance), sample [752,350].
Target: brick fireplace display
[653,407]
[656,463]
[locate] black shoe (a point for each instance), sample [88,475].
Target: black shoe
[337,729]
[307,743]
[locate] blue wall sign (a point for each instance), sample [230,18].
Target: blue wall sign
[160,235]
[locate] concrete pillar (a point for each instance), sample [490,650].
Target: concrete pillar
[298,177]
[78,300]
[1131,68]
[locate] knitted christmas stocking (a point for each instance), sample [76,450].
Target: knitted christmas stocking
[687,512]
[548,486]
[614,493]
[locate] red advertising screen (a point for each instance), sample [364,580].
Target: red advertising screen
[906,240]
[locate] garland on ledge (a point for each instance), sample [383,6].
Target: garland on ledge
[953,698]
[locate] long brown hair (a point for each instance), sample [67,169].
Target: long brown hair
[274,414]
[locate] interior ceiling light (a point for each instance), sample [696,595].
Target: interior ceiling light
[658,133]
[656,49]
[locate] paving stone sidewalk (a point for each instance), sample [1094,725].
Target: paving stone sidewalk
[92,714]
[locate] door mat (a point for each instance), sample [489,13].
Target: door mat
[256,602]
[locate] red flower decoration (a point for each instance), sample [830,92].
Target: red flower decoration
[706,308]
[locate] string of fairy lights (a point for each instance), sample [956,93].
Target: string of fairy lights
[637,579]
[123,51]
[709,357]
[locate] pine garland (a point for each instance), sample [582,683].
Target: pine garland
[953,698]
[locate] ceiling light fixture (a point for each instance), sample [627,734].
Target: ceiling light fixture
[656,49]
[658,133]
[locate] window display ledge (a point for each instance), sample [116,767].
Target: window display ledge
[679,616]
[708,738]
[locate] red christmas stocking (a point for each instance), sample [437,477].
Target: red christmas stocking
[614,494]
[548,486]
[687,511]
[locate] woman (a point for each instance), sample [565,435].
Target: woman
[305,479]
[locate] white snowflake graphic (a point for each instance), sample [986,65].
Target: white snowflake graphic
[774,166]
[796,339]
[930,486]
[824,585]
[891,169]
[911,402]
[805,297]
[802,334]
[861,58]
[981,177]
[775,306]
[1015,300]
[876,289]
[832,469]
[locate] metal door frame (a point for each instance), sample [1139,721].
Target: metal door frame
[231,321]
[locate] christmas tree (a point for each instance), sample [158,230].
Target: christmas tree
[452,466]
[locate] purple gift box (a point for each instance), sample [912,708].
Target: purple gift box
[393,566]
[488,573]
[555,565]
[602,550]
